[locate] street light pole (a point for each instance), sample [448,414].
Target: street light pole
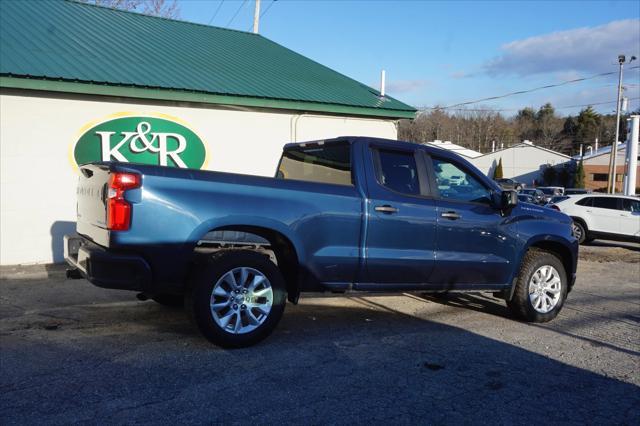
[611,182]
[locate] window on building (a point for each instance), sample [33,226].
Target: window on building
[329,163]
[610,203]
[600,177]
[399,172]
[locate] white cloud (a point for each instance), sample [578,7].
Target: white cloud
[589,49]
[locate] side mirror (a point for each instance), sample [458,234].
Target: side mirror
[505,200]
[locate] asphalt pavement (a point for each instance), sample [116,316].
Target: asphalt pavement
[74,353]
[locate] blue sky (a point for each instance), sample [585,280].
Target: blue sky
[444,53]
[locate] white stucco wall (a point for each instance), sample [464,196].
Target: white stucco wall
[523,162]
[38,179]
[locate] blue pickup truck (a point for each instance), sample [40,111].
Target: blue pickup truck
[340,215]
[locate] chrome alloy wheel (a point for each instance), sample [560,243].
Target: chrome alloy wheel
[241,300]
[576,230]
[544,289]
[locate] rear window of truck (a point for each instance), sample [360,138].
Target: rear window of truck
[317,163]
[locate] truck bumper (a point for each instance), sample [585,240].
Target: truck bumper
[105,268]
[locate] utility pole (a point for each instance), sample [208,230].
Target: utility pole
[611,182]
[256,17]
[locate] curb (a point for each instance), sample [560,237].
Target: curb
[33,272]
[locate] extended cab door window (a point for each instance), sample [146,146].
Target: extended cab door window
[398,171]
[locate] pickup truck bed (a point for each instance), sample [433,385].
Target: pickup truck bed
[343,214]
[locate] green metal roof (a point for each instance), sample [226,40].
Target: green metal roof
[68,46]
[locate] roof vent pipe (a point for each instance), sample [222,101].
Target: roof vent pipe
[382,83]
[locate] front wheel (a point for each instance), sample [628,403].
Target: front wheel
[237,297]
[541,287]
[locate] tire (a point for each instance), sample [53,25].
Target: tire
[241,318]
[522,302]
[579,230]
[169,300]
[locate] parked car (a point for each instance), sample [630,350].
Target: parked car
[613,217]
[456,180]
[551,191]
[556,199]
[343,214]
[526,198]
[577,191]
[509,184]
[538,196]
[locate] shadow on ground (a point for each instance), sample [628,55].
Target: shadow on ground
[348,361]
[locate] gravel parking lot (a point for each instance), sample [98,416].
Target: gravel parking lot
[71,352]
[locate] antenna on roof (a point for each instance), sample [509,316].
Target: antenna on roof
[256,17]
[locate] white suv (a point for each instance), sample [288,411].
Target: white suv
[612,217]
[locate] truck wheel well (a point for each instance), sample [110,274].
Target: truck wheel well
[562,252]
[284,252]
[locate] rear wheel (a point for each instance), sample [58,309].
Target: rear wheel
[237,297]
[541,287]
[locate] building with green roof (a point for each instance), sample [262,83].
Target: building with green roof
[80,48]
[83,83]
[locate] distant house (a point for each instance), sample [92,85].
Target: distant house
[524,162]
[596,168]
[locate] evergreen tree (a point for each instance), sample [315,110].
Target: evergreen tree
[497,172]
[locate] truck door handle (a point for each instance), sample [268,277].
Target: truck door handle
[386,209]
[451,215]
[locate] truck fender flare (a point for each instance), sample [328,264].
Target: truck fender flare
[558,245]
[240,221]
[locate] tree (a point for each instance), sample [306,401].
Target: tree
[525,122]
[162,8]
[579,177]
[497,172]
[587,127]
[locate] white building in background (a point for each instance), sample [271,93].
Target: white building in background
[71,92]
[458,149]
[523,162]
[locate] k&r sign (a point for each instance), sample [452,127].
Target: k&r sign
[141,139]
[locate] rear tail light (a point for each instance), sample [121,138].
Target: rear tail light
[119,209]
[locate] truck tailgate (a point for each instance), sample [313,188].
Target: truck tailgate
[92,203]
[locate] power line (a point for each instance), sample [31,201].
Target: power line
[216,12]
[236,14]
[264,12]
[518,109]
[520,92]
[594,104]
